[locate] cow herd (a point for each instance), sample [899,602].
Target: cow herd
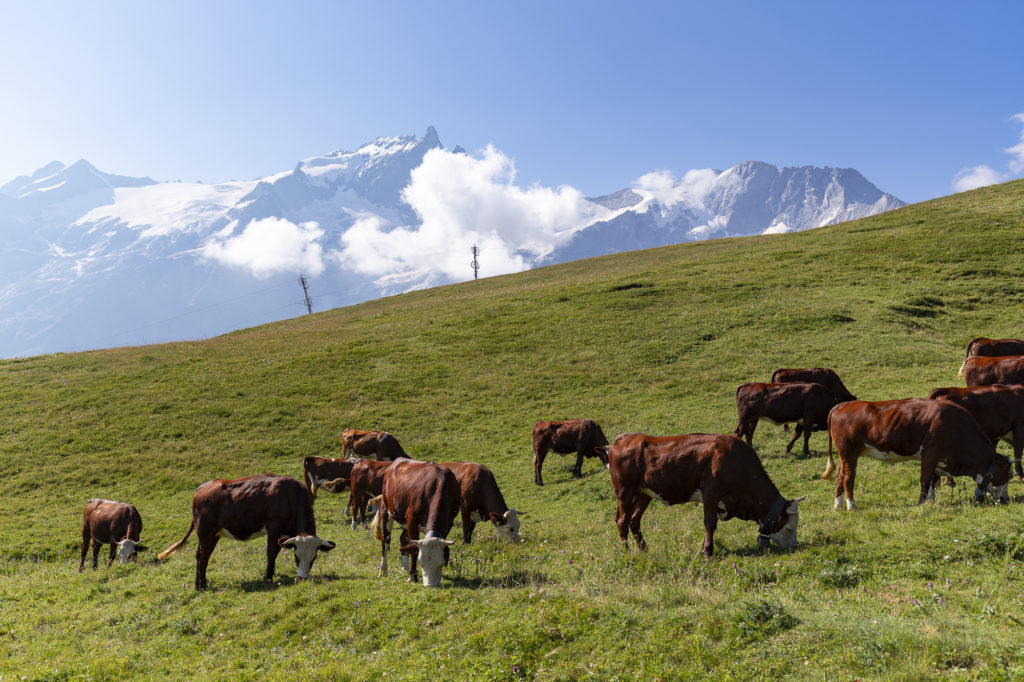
[952,433]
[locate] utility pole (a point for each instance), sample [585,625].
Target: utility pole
[475,264]
[305,293]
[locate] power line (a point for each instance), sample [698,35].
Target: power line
[475,264]
[305,291]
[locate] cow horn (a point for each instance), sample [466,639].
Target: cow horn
[800,499]
[1015,461]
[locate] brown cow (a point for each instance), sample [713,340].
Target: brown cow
[807,404]
[114,523]
[998,409]
[942,435]
[317,471]
[241,509]
[992,348]
[419,496]
[366,481]
[719,471]
[379,444]
[482,501]
[582,436]
[817,375]
[979,370]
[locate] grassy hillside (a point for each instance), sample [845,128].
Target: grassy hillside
[652,341]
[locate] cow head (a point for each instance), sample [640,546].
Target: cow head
[507,525]
[337,485]
[432,553]
[602,453]
[128,550]
[306,548]
[994,481]
[784,533]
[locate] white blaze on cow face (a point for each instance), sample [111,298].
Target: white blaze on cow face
[127,550]
[306,548]
[786,538]
[431,559]
[508,529]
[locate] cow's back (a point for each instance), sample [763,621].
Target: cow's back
[246,506]
[477,486]
[111,521]
[984,371]
[983,346]
[425,490]
[818,375]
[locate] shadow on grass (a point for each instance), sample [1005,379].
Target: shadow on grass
[261,585]
[510,581]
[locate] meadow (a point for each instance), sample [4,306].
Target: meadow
[653,341]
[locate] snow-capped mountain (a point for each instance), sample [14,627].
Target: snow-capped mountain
[89,259]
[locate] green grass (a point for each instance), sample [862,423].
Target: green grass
[653,341]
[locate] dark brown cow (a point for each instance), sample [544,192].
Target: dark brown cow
[807,404]
[378,444]
[419,496]
[317,471]
[942,435]
[482,501]
[241,509]
[992,348]
[998,409]
[114,523]
[721,472]
[582,436]
[817,375]
[979,370]
[366,481]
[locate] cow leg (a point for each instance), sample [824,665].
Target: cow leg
[747,427]
[411,532]
[538,462]
[353,507]
[468,524]
[929,479]
[626,499]
[273,549]
[385,544]
[848,472]
[642,502]
[113,553]
[710,524]
[796,434]
[807,433]
[206,542]
[96,544]
[1018,448]
[577,471]
[86,537]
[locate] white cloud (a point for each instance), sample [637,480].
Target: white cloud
[271,245]
[1017,151]
[691,189]
[975,177]
[463,200]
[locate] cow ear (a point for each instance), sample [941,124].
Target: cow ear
[326,545]
[793,505]
[141,548]
[286,542]
[497,518]
[516,512]
[409,549]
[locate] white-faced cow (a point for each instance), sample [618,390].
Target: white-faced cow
[482,501]
[241,509]
[114,523]
[378,444]
[942,435]
[982,346]
[720,472]
[422,497]
[807,404]
[998,409]
[979,370]
[366,480]
[582,436]
[817,375]
[317,471]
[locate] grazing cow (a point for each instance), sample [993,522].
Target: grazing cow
[719,471]
[582,436]
[366,480]
[241,509]
[317,471]
[419,496]
[807,404]
[942,435]
[979,370]
[379,444]
[992,348]
[114,523]
[998,409]
[817,375]
[482,501]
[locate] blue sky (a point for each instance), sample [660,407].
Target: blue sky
[589,94]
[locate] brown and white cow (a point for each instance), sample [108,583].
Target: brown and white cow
[317,471]
[719,471]
[980,370]
[115,523]
[482,501]
[244,508]
[992,348]
[366,480]
[378,444]
[817,375]
[998,409]
[582,436]
[807,404]
[942,435]
[420,497]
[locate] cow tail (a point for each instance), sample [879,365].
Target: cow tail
[176,547]
[963,366]
[830,466]
[377,525]
[308,479]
